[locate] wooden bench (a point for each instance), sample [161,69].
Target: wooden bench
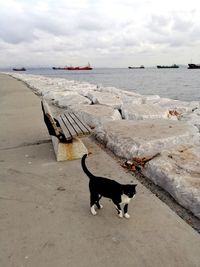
[65,131]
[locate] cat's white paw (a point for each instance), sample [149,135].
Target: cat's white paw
[127,216]
[120,214]
[93,211]
[101,206]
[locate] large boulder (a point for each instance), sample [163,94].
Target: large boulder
[143,111]
[96,115]
[67,100]
[54,96]
[131,100]
[178,172]
[179,106]
[150,99]
[107,99]
[193,118]
[109,89]
[129,139]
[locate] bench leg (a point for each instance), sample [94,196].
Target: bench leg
[69,151]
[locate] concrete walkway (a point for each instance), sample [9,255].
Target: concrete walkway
[41,226]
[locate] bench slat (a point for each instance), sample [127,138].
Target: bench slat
[68,125]
[80,130]
[84,128]
[64,128]
[73,124]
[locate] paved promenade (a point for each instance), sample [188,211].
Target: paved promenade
[45,219]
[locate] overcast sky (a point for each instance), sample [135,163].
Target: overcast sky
[106,33]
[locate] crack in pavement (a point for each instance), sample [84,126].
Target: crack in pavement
[39,142]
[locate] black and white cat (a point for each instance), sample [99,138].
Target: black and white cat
[120,194]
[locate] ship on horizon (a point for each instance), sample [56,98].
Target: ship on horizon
[19,69]
[174,66]
[57,68]
[88,67]
[140,67]
[193,66]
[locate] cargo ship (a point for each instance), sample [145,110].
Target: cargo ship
[88,67]
[57,68]
[19,69]
[140,67]
[193,66]
[174,66]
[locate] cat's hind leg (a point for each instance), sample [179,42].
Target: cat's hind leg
[93,202]
[99,206]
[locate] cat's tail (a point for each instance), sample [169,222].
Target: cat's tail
[84,167]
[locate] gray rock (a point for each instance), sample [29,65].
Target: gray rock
[143,111]
[129,139]
[107,99]
[178,172]
[96,115]
[69,100]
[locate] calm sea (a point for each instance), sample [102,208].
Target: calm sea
[181,84]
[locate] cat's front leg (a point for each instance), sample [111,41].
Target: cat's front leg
[126,215]
[118,207]
[93,211]
[99,206]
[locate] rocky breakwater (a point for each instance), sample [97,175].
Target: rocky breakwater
[134,125]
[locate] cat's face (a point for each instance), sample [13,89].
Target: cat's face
[130,190]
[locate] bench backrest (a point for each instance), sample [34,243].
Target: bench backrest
[51,123]
[49,115]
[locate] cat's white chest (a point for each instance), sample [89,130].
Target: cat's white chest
[125,199]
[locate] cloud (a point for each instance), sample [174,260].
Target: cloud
[15,23]
[44,30]
[182,25]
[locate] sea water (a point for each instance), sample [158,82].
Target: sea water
[182,83]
